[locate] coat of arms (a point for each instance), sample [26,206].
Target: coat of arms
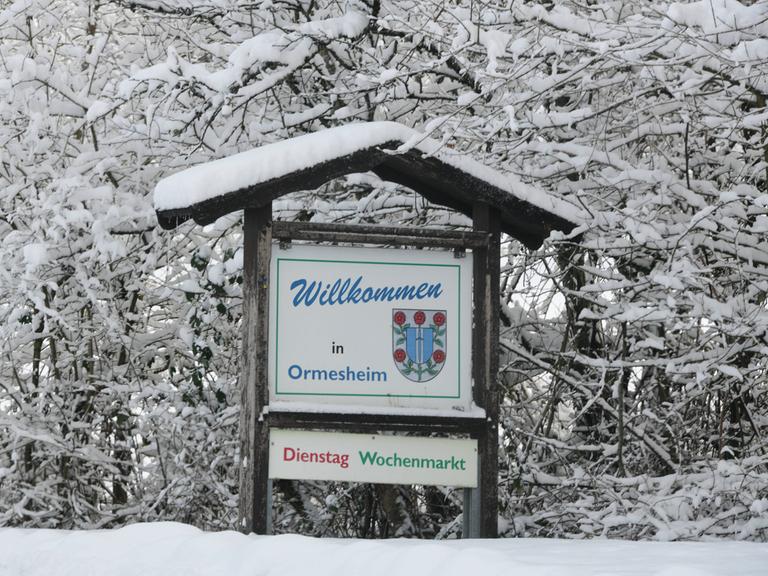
[419,342]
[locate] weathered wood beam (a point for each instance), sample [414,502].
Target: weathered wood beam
[365,423]
[485,362]
[381,235]
[254,391]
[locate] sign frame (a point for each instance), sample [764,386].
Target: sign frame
[257,417]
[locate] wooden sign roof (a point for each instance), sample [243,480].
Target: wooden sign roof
[392,151]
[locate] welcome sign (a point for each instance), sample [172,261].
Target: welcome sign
[381,327]
[297,455]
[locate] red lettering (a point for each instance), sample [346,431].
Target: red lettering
[297,455]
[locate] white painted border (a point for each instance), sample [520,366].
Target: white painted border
[302,336]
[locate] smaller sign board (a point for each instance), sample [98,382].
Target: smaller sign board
[302,455]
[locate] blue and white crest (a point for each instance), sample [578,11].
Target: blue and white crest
[419,342]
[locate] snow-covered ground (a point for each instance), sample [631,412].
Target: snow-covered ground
[166,549]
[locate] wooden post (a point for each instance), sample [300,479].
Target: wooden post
[485,364]
[255,512]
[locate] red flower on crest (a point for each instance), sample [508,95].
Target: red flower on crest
[399,318]
[419,318]
[438,356]
[399,355]
[438,319]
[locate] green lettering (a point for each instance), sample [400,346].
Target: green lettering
[367,457]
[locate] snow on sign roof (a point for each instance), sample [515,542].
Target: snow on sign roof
[394,152]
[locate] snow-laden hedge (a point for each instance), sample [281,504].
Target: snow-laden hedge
[726,500]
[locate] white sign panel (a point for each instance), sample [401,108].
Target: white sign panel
[300,455]
[370,326]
